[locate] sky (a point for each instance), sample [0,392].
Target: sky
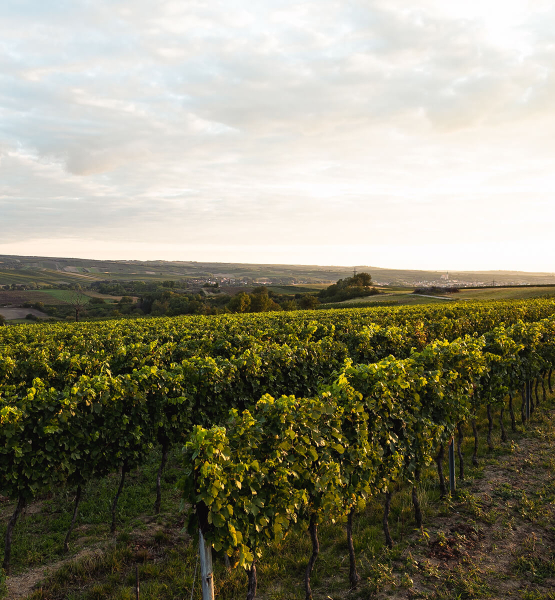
[389,133]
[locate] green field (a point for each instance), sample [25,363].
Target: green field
[41,277]
[49,297]
[407,297]
[521,293]
[398,297]
[19,321]
[68,296]
[297,289]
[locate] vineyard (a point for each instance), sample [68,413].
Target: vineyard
[286,422]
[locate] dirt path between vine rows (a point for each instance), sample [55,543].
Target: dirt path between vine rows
[497,539]
[22,585]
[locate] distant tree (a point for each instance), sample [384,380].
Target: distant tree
[352,287]
[261,301]
[159,308]
[260,290]
[289,305]
[2,321]
[360,280]
[77,300]
[196,307]
[308,302]
[240,303]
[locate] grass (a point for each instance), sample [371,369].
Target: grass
[297,289]
[19,297]
[39,536]
[42,276]
[67,296]
[19,322]
[405,296]
[518,293]
[49,297]
[491,540]
[105,297]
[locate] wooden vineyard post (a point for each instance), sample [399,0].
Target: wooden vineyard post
[452,466]
[528,394]
[206,571]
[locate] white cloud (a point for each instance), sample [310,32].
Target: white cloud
[286,121]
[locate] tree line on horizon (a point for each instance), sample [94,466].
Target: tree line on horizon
[169,299]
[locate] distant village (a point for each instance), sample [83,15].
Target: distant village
[231,282]
[28,273]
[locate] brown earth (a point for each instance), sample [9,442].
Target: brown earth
[22,585]
[107,296]
[142,541]
[20,313]
[17,298]
[497,538]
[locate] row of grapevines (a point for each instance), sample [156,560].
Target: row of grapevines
[200,390]
[291,462]
[94,406]
[60,354]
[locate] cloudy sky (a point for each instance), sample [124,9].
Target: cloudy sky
[391,133]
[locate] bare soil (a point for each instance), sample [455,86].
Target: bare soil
[22,585]
[142,543]
[497,538]
[107,296]
[17,298]
[20,313]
